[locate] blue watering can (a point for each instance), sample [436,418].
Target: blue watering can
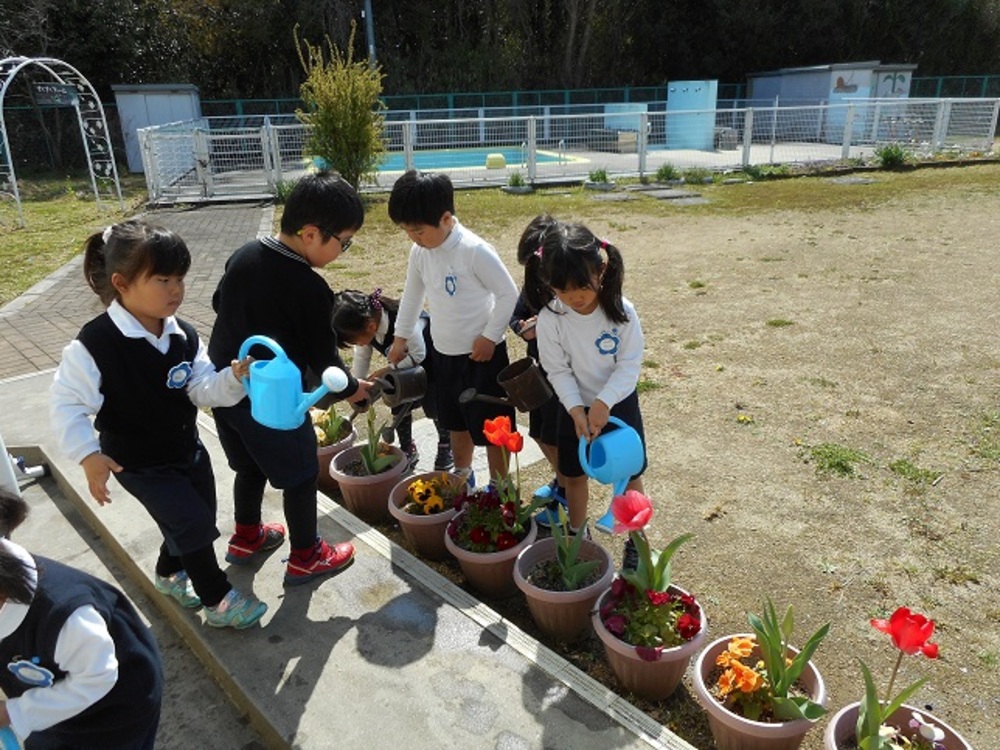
[8,740]
[615,456]
[275,387]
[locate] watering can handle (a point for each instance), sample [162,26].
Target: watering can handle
[267,341]
[584,458]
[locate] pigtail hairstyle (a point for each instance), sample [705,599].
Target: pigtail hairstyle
[353,309]
[132,249]
[529,254]
[15,585]
[571,259]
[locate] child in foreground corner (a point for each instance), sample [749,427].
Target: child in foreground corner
[143,373]
[81,669]
[590,343]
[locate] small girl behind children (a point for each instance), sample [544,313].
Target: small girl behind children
[590,343]
[83,670]
[143,373]
[368,322]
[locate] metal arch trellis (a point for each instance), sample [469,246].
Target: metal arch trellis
[90,116]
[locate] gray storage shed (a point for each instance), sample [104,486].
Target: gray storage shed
[142,105]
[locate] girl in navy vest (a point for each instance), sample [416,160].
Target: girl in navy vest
[143,373]
[78,666]
[368,322]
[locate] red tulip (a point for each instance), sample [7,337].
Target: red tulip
[631,511]
[497,430]
[911,632]
[514,442]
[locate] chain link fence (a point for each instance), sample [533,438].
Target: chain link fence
[223,158]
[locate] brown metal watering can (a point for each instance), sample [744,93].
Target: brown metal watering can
[524,383]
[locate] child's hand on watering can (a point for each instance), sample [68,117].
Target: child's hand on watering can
[398,351]
[360,395]
[597,417]
[241,368]
[526,328]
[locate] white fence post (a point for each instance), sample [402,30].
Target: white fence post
[845,151]
[532,156]
[641,141]
[408,128]
[747,136]
[988,137]
[202,162]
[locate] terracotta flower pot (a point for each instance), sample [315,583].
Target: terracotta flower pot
[652,680]
[841,732]
[366,496]
[730,730]
[325,455]
[424,533]
[561,615]
[491,573]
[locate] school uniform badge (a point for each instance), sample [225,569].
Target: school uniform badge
[608,343]
[28,672]
[179,375]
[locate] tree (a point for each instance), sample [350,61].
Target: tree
[344,108]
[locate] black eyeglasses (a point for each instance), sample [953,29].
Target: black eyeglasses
[344,244]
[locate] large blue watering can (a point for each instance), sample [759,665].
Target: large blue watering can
[275,387]
[615,456]
[8,740]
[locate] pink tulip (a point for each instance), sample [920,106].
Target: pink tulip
[631,511]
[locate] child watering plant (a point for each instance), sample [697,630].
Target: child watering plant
[590,343]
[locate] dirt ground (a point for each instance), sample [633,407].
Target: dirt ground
[775,337]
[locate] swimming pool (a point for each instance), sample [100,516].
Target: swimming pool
[464,158]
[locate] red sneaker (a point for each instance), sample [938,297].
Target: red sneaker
[242,551]
[323,560]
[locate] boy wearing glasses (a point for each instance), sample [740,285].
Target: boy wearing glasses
[269,288]
[470,296]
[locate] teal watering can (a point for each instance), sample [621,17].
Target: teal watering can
[275,387]
[615,456]
[8,740]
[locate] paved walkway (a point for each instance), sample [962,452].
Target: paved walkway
[386,654]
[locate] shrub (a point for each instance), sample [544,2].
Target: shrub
[515,180]
[666,173]
[344,108]
[697,175]
[598,175]
[892,156]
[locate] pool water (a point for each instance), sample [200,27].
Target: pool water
[459,158]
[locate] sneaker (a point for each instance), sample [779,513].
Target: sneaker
[444,461]
[412,456]
[548,516]
[324,560]
[546,491]
[388,434]
[630,557]
[470,477]
[242,551]
[178,585]
[236,610]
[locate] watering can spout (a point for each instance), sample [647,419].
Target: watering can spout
[334,381]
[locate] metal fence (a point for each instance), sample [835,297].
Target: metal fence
[251,156]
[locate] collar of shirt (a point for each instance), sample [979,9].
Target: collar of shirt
[133,329]
[273,243]
[12,614]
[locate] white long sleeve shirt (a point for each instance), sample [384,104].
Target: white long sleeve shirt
[361,360]
[76,390]
[84,650]
[587,357]
[468,290]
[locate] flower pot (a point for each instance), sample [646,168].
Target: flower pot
[366,496]
[325,455]
[652,680]
[841,732]
[730,730]
[491,573]
[561,615]
[424,533]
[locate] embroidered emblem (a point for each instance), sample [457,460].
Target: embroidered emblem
[30,673]
[608,343]
[451,284]
[179,375]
